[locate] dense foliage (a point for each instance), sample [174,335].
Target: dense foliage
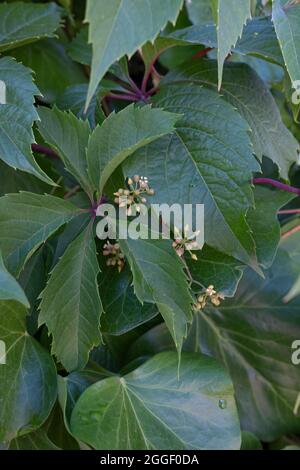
[146,343]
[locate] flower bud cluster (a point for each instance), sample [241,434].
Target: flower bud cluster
[115,257]
[134,194]
[210,295]
[185,243]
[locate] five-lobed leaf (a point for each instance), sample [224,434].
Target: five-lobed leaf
[70,304]
[110,23]
[151,408]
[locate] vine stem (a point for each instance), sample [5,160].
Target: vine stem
[291,232]
[45,150]
[289,211]
[136,89]
[71,192]
[147,74]
[123,97]
[202,53]
[187,270]
[277,184]
[151,92]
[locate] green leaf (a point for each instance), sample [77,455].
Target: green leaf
[217,269]
[28,379]
[154,341]
[264,223]
[13,181]
[71,387]
[109,26]
[55,72]
[123,311]
[10,289]
[73,99]
[248,94]
[232,16]
[26,221]
[291,244]
[120,135]
[17,117]
[250,442]
[199,11]
[22,23]
[37,440]
[33,279]
[57,431]
[294,291]
[71,306]
[185,412]
[158,278]
[79,49]
[71,231]
[69,136]
[286,19]
[258,39]
[252,335]
[208,160]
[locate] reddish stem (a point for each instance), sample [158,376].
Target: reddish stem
[123,97]
[45,150]
[148,74]
[289,211]
[155,73]
[151,92]
[291,232]
[202,53]
[277,184]
[136,89]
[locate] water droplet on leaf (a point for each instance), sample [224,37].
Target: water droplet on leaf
[222,404]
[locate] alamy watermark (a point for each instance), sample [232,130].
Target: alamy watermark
[2,92]
[296,352]
[2,352]
[296,93]
[154,222]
